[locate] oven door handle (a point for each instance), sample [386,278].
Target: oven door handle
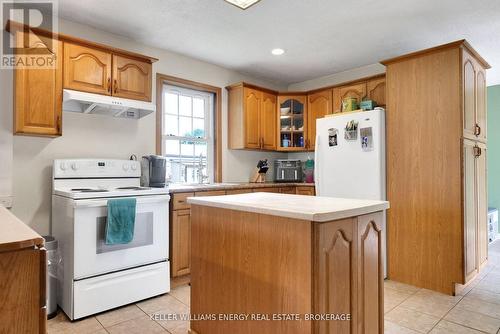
[94,203]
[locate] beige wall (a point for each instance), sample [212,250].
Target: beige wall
[338,78]
[5,137]
[87,136]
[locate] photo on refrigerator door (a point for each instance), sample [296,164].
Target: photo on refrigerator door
[333,137]
[366,139]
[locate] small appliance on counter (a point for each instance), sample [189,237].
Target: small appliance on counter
[153,171]
[287,170]
[259,175]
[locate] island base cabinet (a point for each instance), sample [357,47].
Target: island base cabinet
[349,275]
[260,266]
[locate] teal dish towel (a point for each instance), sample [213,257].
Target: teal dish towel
[121,221]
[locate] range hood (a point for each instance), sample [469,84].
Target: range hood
[88,103]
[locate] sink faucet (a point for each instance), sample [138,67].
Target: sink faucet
[201,176]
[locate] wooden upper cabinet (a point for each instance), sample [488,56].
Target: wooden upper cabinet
[87,69]
[252,106]
[376,91]
[357,90]
[474,97]
[292,116]
[318,105]
[481,103]
[38,96]
[131,78]
[469,95]
[268,121]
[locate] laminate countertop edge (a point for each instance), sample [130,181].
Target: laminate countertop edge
[302,207]
[15,234]
[174,189]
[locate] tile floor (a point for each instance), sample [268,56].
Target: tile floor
[407,310]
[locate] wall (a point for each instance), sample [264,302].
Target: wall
[99,136]
[337,78]
[494,146]
[5,137]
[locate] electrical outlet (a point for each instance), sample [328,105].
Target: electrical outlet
[6,201]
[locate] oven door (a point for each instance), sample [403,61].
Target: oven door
[150,243]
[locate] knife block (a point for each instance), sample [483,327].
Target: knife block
[258,177]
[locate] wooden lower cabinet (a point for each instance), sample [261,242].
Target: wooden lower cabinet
[287,190]
[23,291]
[475,208]
[349,274]
[180,222]
[267,273]
[238,191]
[181,242]
[305,190]
[267,190]
[482,205]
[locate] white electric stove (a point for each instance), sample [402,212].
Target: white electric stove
[95,276]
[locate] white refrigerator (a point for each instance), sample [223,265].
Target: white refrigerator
[351,164]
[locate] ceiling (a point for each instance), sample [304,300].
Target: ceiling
[320,37]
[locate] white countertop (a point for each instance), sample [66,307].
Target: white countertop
[311,208]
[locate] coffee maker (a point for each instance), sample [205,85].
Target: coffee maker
[153,171]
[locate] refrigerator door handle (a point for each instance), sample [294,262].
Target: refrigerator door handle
[316,165]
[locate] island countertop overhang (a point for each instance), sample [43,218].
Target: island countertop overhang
[309,208]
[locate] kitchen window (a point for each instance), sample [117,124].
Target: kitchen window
[187,134]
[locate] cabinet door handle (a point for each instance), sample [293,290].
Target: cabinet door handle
[109,85]
[477,130]
[477,151]
[58,124]
[115,86]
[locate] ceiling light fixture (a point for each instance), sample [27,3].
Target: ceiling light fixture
[277,51]
[243,4]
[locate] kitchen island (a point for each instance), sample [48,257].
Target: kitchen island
[279,263]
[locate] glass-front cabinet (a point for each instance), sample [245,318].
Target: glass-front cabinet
[292,122]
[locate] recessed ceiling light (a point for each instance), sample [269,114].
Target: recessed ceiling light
[243,4]
[277,51]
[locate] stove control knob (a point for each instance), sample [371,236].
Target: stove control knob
[62,165]
[74,166]
[134,167]
[125,167]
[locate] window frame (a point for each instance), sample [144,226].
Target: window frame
[161,80]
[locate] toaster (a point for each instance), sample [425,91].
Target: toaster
[287,170]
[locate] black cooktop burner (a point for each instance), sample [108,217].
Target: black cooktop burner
[133,188]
